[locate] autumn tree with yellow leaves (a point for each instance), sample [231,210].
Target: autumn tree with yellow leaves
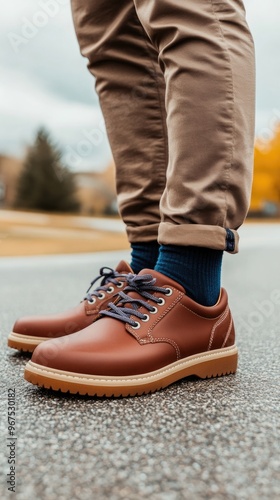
[266,182]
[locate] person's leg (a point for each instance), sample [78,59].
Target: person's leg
[131,90]
[207,57]
[155,334]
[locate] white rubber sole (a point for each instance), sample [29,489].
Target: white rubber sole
[204,365]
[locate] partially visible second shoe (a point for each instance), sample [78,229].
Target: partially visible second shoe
[151,337]
[28,332]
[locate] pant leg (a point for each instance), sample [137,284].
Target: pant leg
[131,90]
[206,53]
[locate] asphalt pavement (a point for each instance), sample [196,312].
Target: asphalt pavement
[214,440]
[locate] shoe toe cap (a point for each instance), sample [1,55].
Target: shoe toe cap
[42,327]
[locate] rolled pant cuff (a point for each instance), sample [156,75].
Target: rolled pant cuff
[142,234]
[199,235]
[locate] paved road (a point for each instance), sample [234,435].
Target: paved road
[216,439]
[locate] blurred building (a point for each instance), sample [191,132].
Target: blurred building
[10,169]
[96,191]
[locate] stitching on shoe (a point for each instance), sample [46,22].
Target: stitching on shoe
[165,311]
[199,315]
[215,326]
[228,333]
[156,321]
[154,340]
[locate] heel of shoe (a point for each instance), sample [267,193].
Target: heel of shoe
[218,366]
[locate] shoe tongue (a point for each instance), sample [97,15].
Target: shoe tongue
[123,267]
[162,280]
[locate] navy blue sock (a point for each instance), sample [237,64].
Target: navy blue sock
[197,269]
[144,255]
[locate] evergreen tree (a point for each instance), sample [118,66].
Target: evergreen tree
[44,183]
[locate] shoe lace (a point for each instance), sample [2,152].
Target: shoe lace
[145,286]
[107,275]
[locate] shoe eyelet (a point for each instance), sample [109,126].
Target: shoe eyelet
[110,289]
[161,302]
[92,301]
[146,318]
[170,291]
[154,310]
[137,325]
[120,284]
[101,296]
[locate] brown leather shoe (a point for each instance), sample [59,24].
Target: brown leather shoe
[153,336]
[30,331]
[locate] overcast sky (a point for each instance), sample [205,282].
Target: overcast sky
[44,80]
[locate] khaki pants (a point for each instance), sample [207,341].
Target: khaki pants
[176,83]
